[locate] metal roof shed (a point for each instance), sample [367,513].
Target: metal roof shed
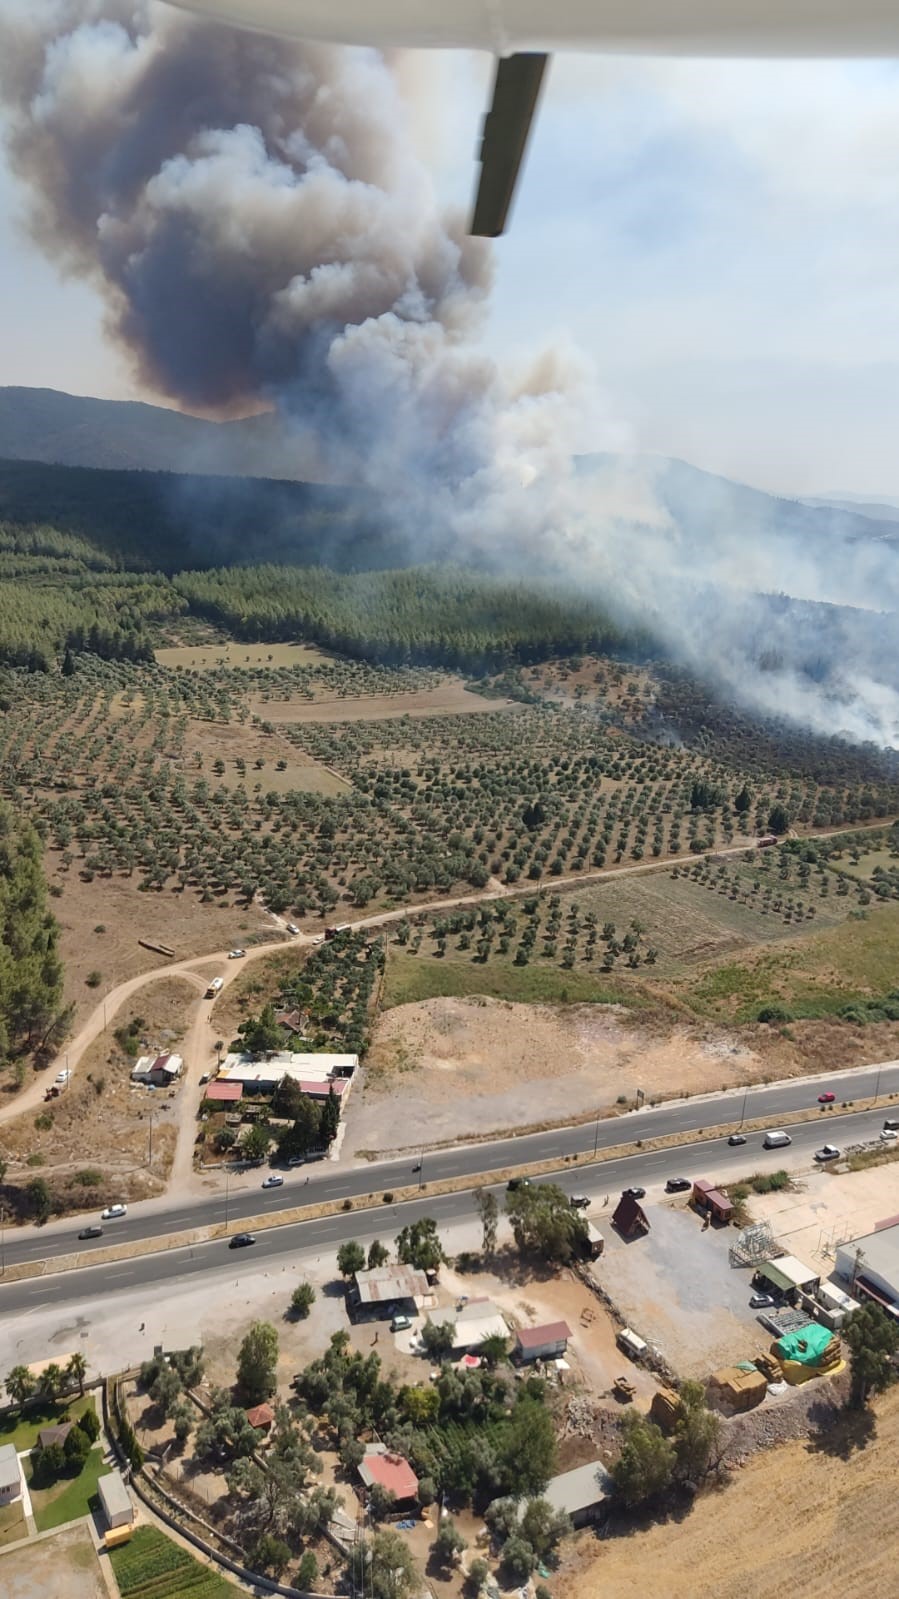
[580,1493]
[787,1273]
[115,1499]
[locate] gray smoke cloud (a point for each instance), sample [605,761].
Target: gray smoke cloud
[264,235]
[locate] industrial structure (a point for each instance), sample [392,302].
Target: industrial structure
[870,1265]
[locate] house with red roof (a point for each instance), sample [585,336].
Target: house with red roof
[546,1342]
[389,1471]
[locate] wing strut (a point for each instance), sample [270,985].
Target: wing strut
[516,89]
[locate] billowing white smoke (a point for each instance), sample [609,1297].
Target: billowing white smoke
[263,234]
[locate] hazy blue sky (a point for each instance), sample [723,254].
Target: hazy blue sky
[720,240]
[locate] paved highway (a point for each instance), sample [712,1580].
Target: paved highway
[331,1181]
[706,1157]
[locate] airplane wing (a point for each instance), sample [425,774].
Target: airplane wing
[516,89]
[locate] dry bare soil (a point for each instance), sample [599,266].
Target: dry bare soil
[798,1520]
[65,1564]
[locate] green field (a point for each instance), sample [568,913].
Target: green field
[816,977]
[414,977]
[71,1497]
[22,1430]
[151,1566]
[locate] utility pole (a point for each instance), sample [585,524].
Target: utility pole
[2,1240]
[421,1172]
[877,1085]
[150,1143]
[227,1179]
[743,1111]
[596,1138]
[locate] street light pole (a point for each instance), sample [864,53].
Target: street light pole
[227,1179]
[877,1085]
[150,1148]
[743,1111]
[596,1138]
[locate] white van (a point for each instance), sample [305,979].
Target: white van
[630,1343]
[776,1140]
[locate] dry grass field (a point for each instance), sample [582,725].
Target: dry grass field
[66,1564]
[804,1520]
[212,657]
[448,698]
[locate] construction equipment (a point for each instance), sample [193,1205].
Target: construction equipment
[624,1390]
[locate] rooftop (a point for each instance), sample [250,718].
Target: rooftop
[391,1471]
[261,1415]
[383,1283]
[114,1496]
[54,1435]
[879,1252]
[10,1475]
[303,1068]
[223,1091]
[790,1272]
[578,1489]
[551,1332]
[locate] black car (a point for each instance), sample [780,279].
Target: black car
[737,1138]
[518,1182]
[579,1202]
[241,1240]
[635,1193]
[677,1185]
[91,1232]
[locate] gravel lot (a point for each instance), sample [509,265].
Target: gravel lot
[676,1289]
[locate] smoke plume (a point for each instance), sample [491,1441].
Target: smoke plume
[263,234]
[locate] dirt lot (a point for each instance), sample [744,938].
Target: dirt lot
[465,1066]
[102,1122]
[447,699]
[676,1289]
[804,1520]
[207,657]
[829,1208]
[64,1564]
[115,903]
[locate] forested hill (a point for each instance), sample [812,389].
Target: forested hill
[30,969]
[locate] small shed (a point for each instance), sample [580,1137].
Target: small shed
[789,1276]
[580,1494]
[115,1500]
[262,1417]
[54,1435]
[389,1471]
[223,1091]
[389,1289]
[10,1474]
[546,1342]
[475,1321]
[712,1200]
[630,1218]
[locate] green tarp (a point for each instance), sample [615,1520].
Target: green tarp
[806,1346]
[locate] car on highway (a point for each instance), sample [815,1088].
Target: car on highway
[776,1138]
[891,1124]
[635,1193]
[888,1134]
[677,1185]
[236,954]
[827,1152]
[400,1323]
[274,1180]
[579,1202]
[826,1099]
[241,1241]
[91,1232]
[113,1212]
[517,1182]
[761,1302]
[736,1138]
[292,927]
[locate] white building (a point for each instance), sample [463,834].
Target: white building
[160,1070]
[115,1499]
[870,1266]
[475,1321]
[314,1074]
[10,1475]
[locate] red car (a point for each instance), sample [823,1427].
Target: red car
[826,1099]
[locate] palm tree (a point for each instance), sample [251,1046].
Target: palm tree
[51,1380]
[77,1370]
[20,1385]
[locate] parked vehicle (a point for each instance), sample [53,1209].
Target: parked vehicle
[274,1180]
[241,1240]
[888,1133]
[776,1139]
[827,1152]
[630,1342]
[635,1193]
[400,1323]
[826,1098]
[736,1138]
[292,927]
[677,1185]
[113,1212]
[579,1202]
[64,1075]
[761,1302]
[517,1182]
[91,1232]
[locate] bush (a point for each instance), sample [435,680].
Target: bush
[90,1425]
[76,1449]
[94,979]
[307,1572]
[478,1572]
[518,1559]
[47,1465]
[301,1301]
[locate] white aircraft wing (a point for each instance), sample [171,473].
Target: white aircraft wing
[520,33]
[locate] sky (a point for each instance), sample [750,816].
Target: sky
[720,241]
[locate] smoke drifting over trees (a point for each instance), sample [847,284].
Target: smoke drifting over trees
[264,235]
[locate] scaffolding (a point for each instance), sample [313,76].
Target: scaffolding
[753,1245]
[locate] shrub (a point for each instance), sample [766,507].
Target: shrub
[94,979]
[301,1301]
[90,1425]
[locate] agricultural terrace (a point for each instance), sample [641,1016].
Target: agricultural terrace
[167,780]
[152,1566]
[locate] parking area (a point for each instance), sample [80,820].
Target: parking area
[827,1208]
[676,1288]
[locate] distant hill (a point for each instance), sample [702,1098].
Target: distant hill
[74,430]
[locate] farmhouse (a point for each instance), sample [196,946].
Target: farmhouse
[475,1321]
[390,1289]
[262,1417]
[581,1493]
[870,1266]
[159,1070]
[788,1276]
[54,1435]
[115,1500]
[547,1342]
[712,1200]
[10,1474]
[314,1074]
[630,1219]
[389,1471]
